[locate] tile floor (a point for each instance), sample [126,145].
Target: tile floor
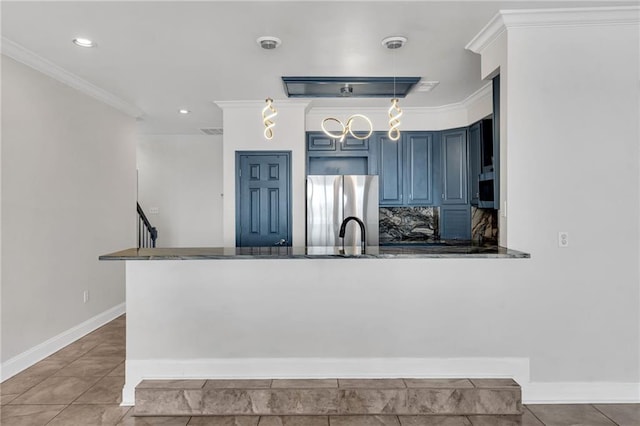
[82,384]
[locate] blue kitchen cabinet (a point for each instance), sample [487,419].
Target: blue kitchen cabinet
[353,144]
[475,135]
[338,166]
[481,164]
[407,168]
[320,142]
[329,156]
[496,141]
[390,170]
[455,222]
[454,167]
[455,210]
[420,164]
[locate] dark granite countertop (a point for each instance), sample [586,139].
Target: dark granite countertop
[400,251]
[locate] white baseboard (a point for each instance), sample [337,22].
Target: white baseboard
[26,359]
[580,392]
[291,368]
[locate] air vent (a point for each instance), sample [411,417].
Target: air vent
[353,87]
[212,132]
[427,86]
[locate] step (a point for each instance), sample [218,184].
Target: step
[282,397]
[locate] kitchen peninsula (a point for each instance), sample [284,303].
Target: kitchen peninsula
[301,312]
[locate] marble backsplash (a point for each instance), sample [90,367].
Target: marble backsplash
[484,225]
[409,224]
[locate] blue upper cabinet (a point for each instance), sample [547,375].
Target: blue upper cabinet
[390,170]
[481,166]
[454,167]
[320,142]
[354,144]
[408,168]
[329,156]
[419,165]
[475,134]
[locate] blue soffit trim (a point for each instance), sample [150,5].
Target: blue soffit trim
[348,87]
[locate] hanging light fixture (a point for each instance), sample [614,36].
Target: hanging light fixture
[347,128]
[394,42]
[269,112]
[394,120]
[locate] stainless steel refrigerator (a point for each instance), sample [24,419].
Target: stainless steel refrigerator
[331,199]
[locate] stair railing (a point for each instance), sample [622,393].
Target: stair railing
[147,234]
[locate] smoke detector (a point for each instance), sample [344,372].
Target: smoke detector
[269,42]
[394,42]
[216,131]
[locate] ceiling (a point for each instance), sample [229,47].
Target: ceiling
[167,55]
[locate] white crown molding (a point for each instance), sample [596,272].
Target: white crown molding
[486,90]
[487,35]
[577,17]
[26,359]
[31,59]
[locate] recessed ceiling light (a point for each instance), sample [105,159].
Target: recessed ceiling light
[269,42]
[394,42]
[184,111]
[84,42]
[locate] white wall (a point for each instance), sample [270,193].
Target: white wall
[570,163]
[243,127]
[181,176]
[572,154]
[68,196]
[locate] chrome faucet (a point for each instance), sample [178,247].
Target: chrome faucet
[363,232]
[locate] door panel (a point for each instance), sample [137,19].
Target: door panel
[390,171]
[454,167]
[419,152]
[274,211]
[263,211]
[254,207]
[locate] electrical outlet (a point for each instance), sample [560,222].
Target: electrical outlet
[85,296]
[563,239]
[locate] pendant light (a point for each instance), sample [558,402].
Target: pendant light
[394,42]
[394,120]
[347,128]
[269,112]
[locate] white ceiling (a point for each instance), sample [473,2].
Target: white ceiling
[163,56]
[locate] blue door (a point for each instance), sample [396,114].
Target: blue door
[263,212]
